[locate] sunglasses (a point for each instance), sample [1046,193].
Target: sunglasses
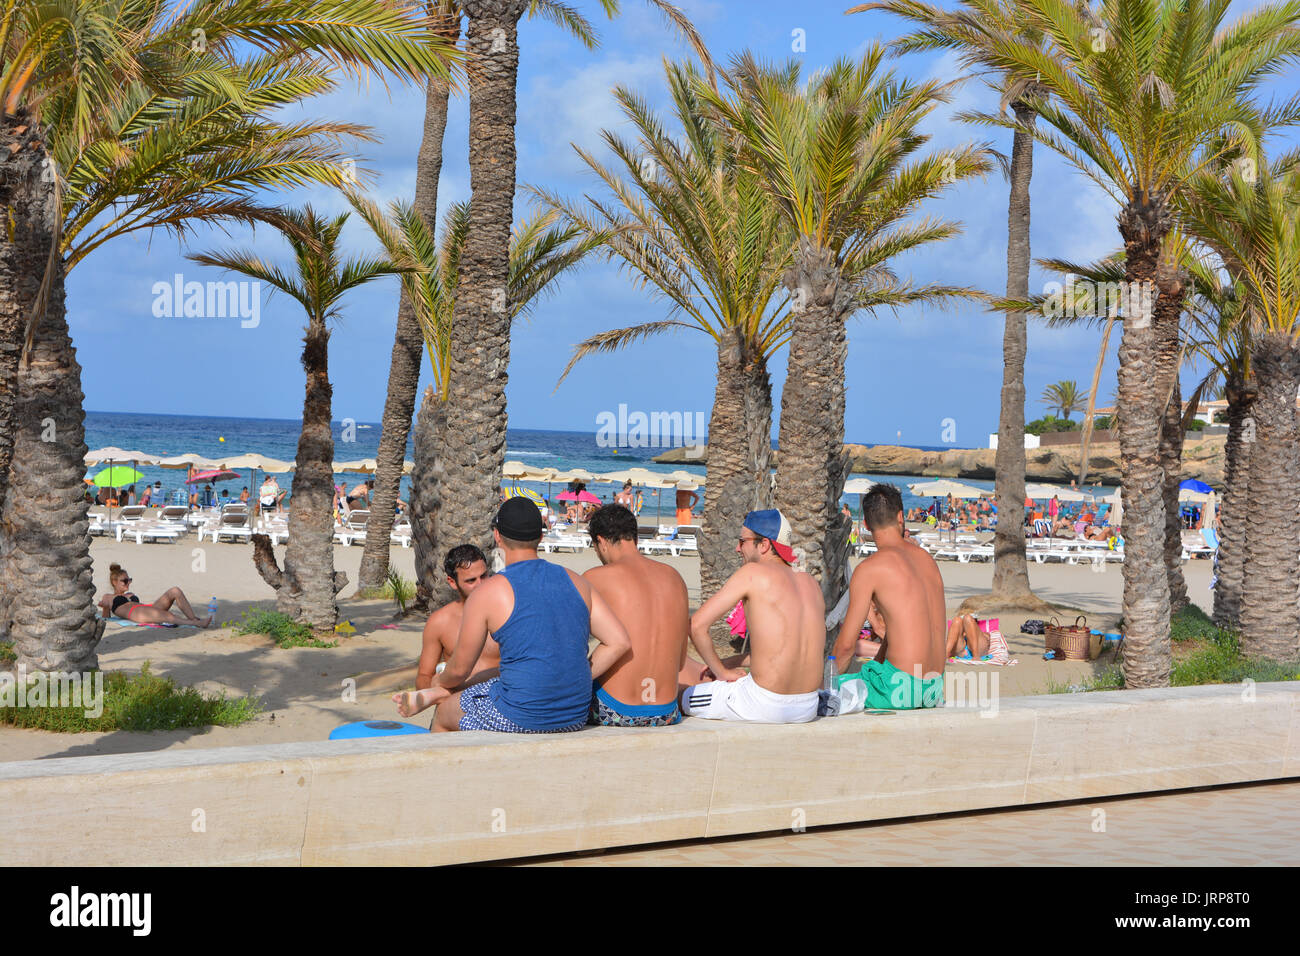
[743,540]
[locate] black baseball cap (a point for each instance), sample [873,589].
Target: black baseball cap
[519,520]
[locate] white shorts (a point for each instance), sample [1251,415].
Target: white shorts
[745,700]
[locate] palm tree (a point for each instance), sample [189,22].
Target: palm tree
[973,30]
[139,125]
[690,223]
[404,368]
[1143,93]
[1095,302]
[541,250]
[1254,226]
[307,586]
[834,155]
[473,441]
[1065,398]
[1222,335]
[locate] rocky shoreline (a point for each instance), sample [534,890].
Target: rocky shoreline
[1202,460]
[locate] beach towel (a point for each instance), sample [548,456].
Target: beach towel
[121,622]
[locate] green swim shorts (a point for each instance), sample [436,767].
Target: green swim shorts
[887,688]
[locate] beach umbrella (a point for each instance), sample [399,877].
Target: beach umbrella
[1048,492]
[100,455]
[115,476]
[1208,510]
[534,497]
[1115,517]
[187,460]
[858,486]
[944,487]
[362,466]
[1191,484]
[215,474]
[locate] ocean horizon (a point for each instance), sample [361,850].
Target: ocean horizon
[166,434]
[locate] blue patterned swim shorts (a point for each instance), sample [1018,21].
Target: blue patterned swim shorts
[481,713]
[607,711]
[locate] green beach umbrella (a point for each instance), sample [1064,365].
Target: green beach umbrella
[115,476]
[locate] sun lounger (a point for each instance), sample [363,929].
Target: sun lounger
[234,525]
[565,541]
[658,546]
[401,532]
[1197,544]
[143,531]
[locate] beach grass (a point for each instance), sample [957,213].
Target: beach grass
[284,630]
[136,702]
[1203,654]
[1192,624]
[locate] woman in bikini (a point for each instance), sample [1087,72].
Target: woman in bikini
[124,604]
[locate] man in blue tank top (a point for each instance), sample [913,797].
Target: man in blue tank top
[540,615]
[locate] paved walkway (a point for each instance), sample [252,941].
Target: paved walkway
[1233,826]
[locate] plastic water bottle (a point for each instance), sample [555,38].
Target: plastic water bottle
[829,673]
[212,607]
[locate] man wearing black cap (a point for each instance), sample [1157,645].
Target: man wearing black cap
[540,615]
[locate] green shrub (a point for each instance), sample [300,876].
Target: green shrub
[7,655]
[137,702]
[1050,423]
[399,589]
[1220,661]
[1192,624]
[284,630]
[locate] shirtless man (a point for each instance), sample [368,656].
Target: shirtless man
[541,616]
[466,569]
[360,493]
[649,598]
[904,583]
[785,616]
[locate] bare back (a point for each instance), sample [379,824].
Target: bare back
[438,643]
[907,588]
[650,600]
[786,618]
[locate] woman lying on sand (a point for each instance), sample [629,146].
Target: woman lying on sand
[122,603]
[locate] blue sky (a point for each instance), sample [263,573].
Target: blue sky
[907,373]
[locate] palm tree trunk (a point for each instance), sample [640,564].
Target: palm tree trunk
[758,423]
[1144,222]
[408,345]
[1270,620]
[29,206]
[1010,569]
[1235,511]
[473,441]
[426,502]
[812,462]
[54,622]
[309,585]
[1168,317]
[729,484]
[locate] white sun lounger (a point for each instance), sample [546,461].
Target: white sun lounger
[143,531]
[234,525]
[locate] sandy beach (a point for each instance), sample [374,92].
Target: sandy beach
[306,692]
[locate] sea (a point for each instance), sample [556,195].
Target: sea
[162,435]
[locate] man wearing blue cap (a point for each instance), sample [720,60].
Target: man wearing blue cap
[785,614]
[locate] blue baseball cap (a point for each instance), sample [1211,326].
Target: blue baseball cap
[771,524]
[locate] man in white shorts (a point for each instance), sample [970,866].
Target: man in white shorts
[786,617]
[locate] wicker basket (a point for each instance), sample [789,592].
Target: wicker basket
[1075,640]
